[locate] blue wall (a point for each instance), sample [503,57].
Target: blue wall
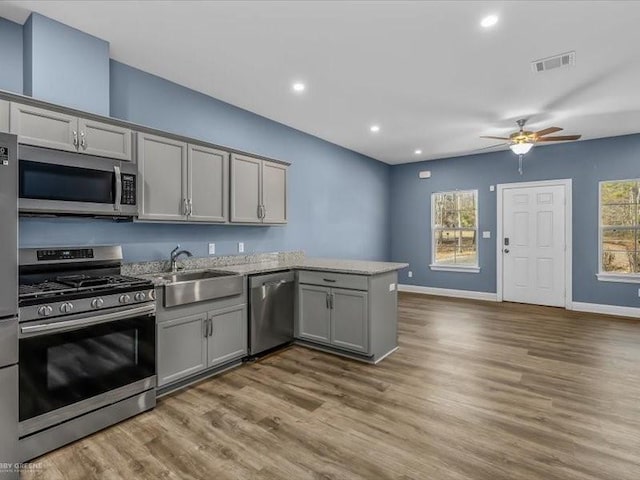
[338,199]
[586,162]
[10,56]
[65,66]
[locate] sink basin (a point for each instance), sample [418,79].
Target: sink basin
[191,276]
[191,287]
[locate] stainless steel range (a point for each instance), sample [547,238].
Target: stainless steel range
[86,345]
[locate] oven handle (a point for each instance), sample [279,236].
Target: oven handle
[116,206]
[86,322]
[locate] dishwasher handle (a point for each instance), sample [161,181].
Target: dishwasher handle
[276,284]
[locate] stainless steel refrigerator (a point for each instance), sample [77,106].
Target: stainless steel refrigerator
[8,306]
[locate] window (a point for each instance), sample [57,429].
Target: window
[454,230]
[619,230]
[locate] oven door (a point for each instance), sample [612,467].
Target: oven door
[77,364]
[69,183]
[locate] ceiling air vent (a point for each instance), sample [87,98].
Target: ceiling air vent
[557,61]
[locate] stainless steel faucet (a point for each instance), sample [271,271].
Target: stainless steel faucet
[175,253]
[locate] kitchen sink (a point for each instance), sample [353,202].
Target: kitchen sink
[192,287]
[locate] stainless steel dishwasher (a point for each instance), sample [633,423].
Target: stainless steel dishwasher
[271,311]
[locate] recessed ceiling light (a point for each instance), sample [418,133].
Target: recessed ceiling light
[299,87]
[489,21]
[418,152]
[375,128]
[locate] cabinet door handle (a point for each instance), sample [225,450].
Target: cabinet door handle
[264,212]
[75,138]
[329,280]
[190,207]
[205,330]
[331,296]
[83,141]
[328,300]
[210,327]
[185,207]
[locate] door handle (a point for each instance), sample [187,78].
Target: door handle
[506,250]
[118,193]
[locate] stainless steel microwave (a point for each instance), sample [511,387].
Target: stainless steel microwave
[63,183]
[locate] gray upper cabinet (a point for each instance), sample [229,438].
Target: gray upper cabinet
[208,184]
[4,116]
[274,192]
[228,335]
[350,320]
[162,189]
[182,348]
[314,315]
[258,191]
[104,140]
[246,189]
[46,128]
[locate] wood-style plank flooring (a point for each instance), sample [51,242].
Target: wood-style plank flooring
[478,390]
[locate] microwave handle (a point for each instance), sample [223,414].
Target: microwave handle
[116,205]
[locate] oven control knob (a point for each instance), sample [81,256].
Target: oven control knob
[125,298]
[45,311]
[152,294]
[66,307]
[97,303]
[140,296]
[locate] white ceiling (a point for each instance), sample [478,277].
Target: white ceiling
[426,72]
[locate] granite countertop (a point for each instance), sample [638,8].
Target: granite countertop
[356,267]
[261,263]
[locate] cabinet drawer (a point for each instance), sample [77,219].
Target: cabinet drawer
[330,279]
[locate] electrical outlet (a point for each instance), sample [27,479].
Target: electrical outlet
[212,249]
[492,188]
[392,287]
[240,247]
[486,234]
[410,274]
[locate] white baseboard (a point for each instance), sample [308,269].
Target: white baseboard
[607,309]
[448,292]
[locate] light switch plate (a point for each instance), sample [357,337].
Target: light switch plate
[240,247]
[410,274]
[212,249]
[491,188]
[392,287]
[486,234]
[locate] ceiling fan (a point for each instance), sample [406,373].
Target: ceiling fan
[522,141]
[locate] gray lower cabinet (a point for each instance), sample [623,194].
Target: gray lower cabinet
[334,316]
[258,191]
[182,348]
[47,128]
[198,337]
[354,314]
[350,319]
[314,315]
[4,116]
[228,335]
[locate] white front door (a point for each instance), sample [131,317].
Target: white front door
[533,245]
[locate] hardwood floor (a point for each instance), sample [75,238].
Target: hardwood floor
[478,390]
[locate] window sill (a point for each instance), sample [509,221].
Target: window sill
[455,268]
[620,278]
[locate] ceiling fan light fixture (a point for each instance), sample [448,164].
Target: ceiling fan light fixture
[521,148]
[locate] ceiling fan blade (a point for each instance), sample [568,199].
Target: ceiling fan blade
[561,138]
[495,138]
[547,131]
[491,146]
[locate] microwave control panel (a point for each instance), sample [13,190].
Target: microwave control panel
[128,190]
